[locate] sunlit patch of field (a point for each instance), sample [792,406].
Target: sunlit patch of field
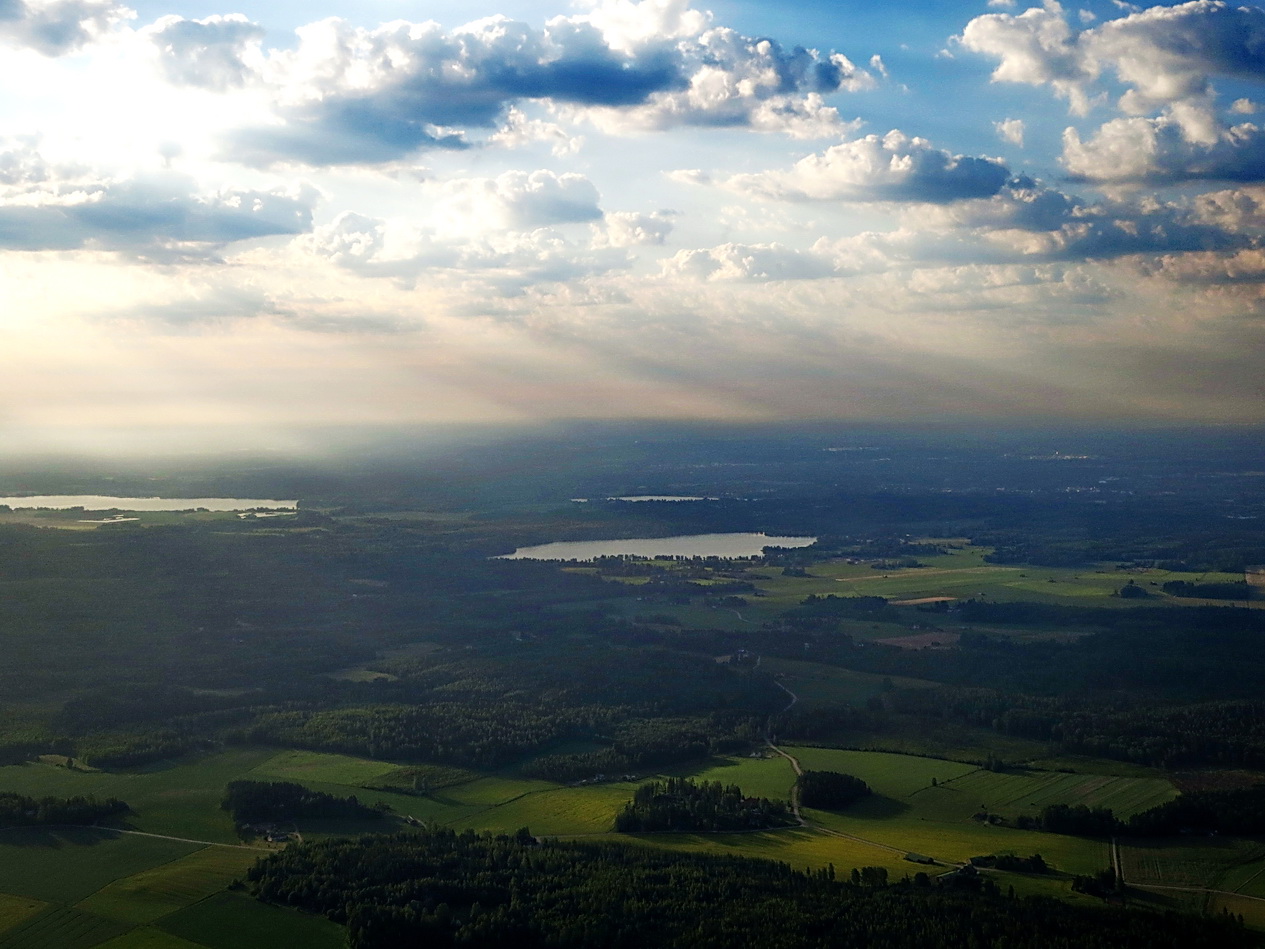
[890,775]
[61,927]
[148,937]
[146,896]
[801,847]
[14,909]
[318,766]
[1026,792]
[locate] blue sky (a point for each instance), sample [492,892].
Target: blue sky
[235,225]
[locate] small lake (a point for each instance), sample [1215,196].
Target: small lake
[98,502]
[685,545]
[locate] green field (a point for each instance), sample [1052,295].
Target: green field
[1012,793]
[147,937]
[61,927]
[66,864]
[236,921]
[801,847]
[816,685]
[14,909]
[1220,863]
[316,766]
[151,894]
[179,798]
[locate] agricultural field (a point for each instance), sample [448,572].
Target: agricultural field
[236,921]
[61,927]
[1218,863]
[146,896]
[816,685]
[1012,793]
[14,909]
[801,847]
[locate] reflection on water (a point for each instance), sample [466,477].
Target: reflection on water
[686,545]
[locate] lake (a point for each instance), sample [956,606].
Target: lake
[685,545]
[98,502]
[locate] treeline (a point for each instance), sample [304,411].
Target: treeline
[1236,590]
[19,810]
[440,888]
[646,743]
[259,802]
[1220,734]
[681,804]
[482,736]
[1240,812]
[830,790]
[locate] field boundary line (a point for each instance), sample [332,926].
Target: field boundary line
[183,840]
[1196,889]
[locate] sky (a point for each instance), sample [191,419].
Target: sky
[239,225]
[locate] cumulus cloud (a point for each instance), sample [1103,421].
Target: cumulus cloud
[219,52]
[57,27]
[892,167]
[757,262]
[354,95]
[509,231]
[631,228]
[1167,57]
[1010,130]
[1160,150]
[515,200]
[43,207]
[1034,47]
[503,264]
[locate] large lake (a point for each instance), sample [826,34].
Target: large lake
[97,502]
[686,545]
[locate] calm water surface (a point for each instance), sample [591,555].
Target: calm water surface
[98,502]
[685,545]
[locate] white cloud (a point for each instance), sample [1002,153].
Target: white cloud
[219,52]
[631,228]
[57,27]
[892,167]
[156,217]
[1163,150]
[1010,130]
[1166,56]
[348,95]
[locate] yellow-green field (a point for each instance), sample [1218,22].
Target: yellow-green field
[146,896]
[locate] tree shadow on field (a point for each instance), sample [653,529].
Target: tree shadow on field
[54,838]
[877,806]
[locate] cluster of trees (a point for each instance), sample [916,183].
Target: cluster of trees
[650,742]
[1077,820]
[259,802]
[19,810]
[681,804]
[1237,590]
[830,790]
[1239,811]
[1012,863]
[485,736]
[441,888]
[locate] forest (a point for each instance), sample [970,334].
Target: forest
[442,888]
